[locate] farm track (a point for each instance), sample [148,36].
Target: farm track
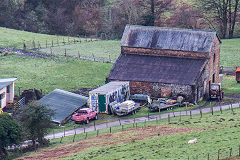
[55,57]
[33,54]
[137,120]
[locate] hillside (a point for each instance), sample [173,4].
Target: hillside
[217,133]
[101,49]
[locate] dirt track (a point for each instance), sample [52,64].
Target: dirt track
[108,139]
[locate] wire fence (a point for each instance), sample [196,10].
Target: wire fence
[187,115]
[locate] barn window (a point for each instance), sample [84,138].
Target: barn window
[213,78]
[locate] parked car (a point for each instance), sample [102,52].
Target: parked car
[84,115]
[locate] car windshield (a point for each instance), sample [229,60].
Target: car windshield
[82,112]
[214,87]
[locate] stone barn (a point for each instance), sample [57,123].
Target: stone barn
[166,62]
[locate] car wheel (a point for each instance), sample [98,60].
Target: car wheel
[87,121]
[96,116]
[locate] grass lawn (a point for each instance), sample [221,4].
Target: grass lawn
[221,132]
[16,38]
[213,132]
[100,49]
[230,48]
[230,52]
[230,85]
[64,73]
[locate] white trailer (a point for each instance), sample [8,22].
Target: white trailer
[115,91]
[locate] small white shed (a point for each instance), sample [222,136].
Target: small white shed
[115,91]
[6,91]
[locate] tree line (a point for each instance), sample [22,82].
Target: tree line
[96,17]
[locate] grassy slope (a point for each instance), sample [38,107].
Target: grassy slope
[230,52]
[15,38]
[219,131]
[229,49]
[223,133]
[43,74]
[100,49]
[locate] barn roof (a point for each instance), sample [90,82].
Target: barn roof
[168,38]
[63,103]
[160,69]
[5,82]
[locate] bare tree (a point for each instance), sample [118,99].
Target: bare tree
[221,12]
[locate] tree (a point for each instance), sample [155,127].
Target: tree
[10,133]
[154,9]
[36,120]
[185,16]
[221,11]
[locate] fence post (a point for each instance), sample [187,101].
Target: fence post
[190,114]
[230,152]
[79,55]
[65,52]
[180,117]
[159,110]
[168,118]
[53,134]
[232,109]
[93,57]
[212,109]
[119,121]
[94,126]
[24,46]
[239,150]
[34,46]
[221,108]
[219,154]
[208,156]
[84,130]
[61,139]
[201,111]
[97,132]
[110,129]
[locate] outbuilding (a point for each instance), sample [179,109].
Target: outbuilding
[63,103]
[167,62]
[6,91]
[115,91]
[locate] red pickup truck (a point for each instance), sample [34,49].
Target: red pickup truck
[84,115]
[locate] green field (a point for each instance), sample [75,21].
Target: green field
[230,52]
[63,73]
[221,132]
[213,132]
[230,49]
[108,50]
[16,38]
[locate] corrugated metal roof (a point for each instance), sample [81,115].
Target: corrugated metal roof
[168,70]
[63,103]
[6,82]
[168,38]
[109,87]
